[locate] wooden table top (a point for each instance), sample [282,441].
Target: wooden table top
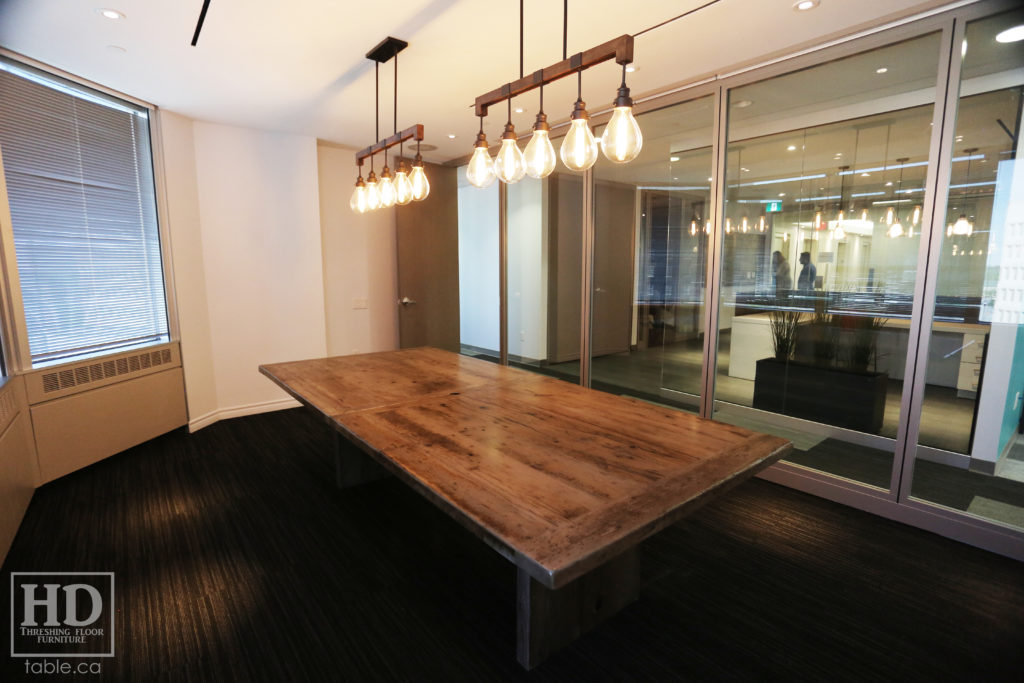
[556,477]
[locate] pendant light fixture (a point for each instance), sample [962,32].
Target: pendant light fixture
[962,226]
[386,186]
[839,232]
[896,227]
[622,138]
[480,172]
[579,147]
[540,153]
[508,163]
[404,186]
[418,177]
[358,201]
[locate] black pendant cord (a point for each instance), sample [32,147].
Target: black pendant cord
[579,85]
[376,100]
[509,111]
[565,29]
[481,129]
[520,38]
[396,96]
[623,76]
[541,112]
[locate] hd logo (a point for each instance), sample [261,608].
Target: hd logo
[62,614]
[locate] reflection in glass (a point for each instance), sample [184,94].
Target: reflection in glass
[545,230]
[970,457]
[479,307]
[651,230]
[821,234]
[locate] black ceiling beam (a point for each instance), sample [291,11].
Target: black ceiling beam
[199,24]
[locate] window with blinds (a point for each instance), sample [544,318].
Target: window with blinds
[79,172]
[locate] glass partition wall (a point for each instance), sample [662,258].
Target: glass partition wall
[822,227]
[968,454]
[651,233]
[829,249]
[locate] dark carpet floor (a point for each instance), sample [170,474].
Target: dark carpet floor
[237,559]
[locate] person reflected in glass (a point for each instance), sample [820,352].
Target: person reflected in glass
[808,274]
[781,275]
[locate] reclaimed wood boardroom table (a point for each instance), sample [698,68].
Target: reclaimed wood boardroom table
[561,480]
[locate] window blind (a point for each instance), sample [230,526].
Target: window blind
[79,173]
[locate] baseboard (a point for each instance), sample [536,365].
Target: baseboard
[241,411]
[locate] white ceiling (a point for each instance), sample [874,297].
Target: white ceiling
[300,66]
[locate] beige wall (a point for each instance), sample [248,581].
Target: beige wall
[270,264]
[244,218]
[182,215]
[359,267]
[18,467]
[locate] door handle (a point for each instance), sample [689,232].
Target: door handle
[406,301]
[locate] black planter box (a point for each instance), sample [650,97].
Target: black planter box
[835,396]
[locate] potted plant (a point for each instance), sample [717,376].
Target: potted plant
[819,370]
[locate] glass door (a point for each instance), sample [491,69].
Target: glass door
[824,183]
[969,456]
[652,224]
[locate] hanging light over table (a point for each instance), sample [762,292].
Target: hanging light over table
[404,186]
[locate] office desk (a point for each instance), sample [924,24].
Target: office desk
[562,481]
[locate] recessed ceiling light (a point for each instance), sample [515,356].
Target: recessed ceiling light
[674,178]
[745,170]
[1011,35]
[451,136]
[959,138]
[782,194]
[791,148]
[889,184]
[709,180]
[519,110]
[630,68]
[804,5]
[110,13]
[673,158]
[864,175]
[881,70]
[743,104]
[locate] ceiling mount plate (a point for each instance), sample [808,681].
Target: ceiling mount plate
[386,49]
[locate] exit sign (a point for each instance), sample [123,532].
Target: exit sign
[773,207]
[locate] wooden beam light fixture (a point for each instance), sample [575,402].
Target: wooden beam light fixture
[405,185]
[621,141]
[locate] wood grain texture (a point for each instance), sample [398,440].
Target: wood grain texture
[558,478]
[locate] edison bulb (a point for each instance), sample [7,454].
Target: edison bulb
[539,156]
[480,172]
[358,201]
[896,230]
[508,163]
[372,192]
[418,180]
[386,188]
[622,140]
[579,148]
[839,233]
[403,188]
[889,216]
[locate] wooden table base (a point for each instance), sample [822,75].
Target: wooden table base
[548,620]
[353,467]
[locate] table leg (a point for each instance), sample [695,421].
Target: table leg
[353,466]
[547,619]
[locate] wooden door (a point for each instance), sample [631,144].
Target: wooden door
[428,265]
